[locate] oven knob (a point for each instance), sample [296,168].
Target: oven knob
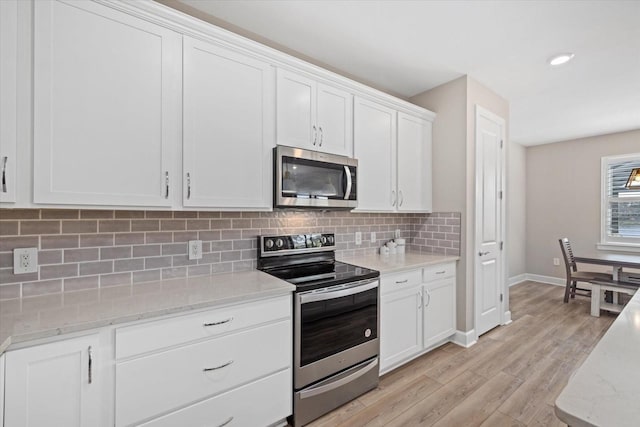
[324,240]
[268,243]
[279,243]
[330,239]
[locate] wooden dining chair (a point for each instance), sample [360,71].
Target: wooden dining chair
[574,276]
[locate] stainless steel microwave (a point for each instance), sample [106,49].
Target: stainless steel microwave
[310,179]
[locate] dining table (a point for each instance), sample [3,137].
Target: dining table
[622,282]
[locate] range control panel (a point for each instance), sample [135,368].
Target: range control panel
[293,243]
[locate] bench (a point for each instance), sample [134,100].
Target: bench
[597,290]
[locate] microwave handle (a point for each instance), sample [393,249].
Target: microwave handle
[347,192]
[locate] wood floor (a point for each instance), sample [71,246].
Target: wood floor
[511,377]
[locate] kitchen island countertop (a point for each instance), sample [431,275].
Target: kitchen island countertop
[34,318]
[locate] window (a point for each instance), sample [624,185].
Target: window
[620,206]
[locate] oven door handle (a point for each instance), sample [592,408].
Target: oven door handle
[314,391]
[343,292]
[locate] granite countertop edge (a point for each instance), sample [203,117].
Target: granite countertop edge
[398,262]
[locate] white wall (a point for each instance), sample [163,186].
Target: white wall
[517,210]
[563,196]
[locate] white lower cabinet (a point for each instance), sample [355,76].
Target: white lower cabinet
[55,384]
[417,312]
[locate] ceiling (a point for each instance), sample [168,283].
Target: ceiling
[407,47]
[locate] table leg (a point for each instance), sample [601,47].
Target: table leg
[595,300]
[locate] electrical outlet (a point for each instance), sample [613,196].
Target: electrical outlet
[358,237]
[25,260]
[397,233]
[556,261]
[195,249]
[373,237]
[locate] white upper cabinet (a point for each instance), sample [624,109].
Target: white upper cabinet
[414,164]
[229,115]
[107,89]
[375,148]
[313,115]
[8,107]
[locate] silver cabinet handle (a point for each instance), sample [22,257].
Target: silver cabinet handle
[224,365]
[166,184]
[188,185]
[321,136]
[401,197]
[428,299]
[315,135]
[90,365]
[483,253]
[226,422]
[420,303]
[402,281]
[221,322]
[440,272]
[4,174]
[393,197]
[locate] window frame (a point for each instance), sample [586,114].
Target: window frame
[629,244]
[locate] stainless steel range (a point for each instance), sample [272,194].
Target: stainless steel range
[336,321]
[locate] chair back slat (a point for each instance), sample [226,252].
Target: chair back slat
[567,254]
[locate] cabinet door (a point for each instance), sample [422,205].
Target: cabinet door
[107,91]
[400,326]
[228,128]
[296,111]
[374,143]
[414,164]
[439,310]
[335,121]
[50,384]
[8,99]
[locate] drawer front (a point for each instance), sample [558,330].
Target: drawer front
[437,272]
[399,281]
[157,335]
[152,385]
[263,402]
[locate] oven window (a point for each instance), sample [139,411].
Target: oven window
[304,178]
[331,326]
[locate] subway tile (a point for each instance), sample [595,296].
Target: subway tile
[58,271]
[114,226]
[129,214]
[19,213]
[60,214]
[250,215]
[230,215]
[9,228]
[197,224]
[96,214]
[173,225]
[241,223]
[174,248]
[161,237]
[220,224]
[59,242]
[210,258]
[80,226]
[230,255]
[93,240]
[81,283]
[230,234]
[184,236]
[243,265]
[242,244]
[249,254]
[10,243]
[146,276]
[145,225]
[9,291]
[174,273]
[209,235]
[115,252]
[115,279]
[158,214]
[199,270]
[221,245]
[252,234]
[129,239]
[185,214]
[180,260]
[7,276]
[80,255]
[146,250]
[133,264]
[222,267]
[43,287]
[6,259]
[39,227]
[203,214]
[49,257]
[96,267]
[157,262]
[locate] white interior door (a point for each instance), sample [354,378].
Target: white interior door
[489,279]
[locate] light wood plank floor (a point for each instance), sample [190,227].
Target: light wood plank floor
[511,377]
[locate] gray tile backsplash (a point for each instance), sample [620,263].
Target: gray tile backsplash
[85,249]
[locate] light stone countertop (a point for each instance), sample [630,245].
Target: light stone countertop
[604,391]
[399,262]
[47,316]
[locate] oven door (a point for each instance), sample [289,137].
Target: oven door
[312,179]
[335,328]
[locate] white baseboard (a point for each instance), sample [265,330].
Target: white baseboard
[507,317]
[517,279]
[547,279]
[465,339]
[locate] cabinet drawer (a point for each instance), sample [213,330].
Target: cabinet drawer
[436,272]
[157,383]
[139,339]
[397,281]
[244,406]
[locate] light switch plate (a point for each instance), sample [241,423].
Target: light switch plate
[195,249]
[25,260]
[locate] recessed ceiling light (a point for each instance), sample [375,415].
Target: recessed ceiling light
[561,58]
